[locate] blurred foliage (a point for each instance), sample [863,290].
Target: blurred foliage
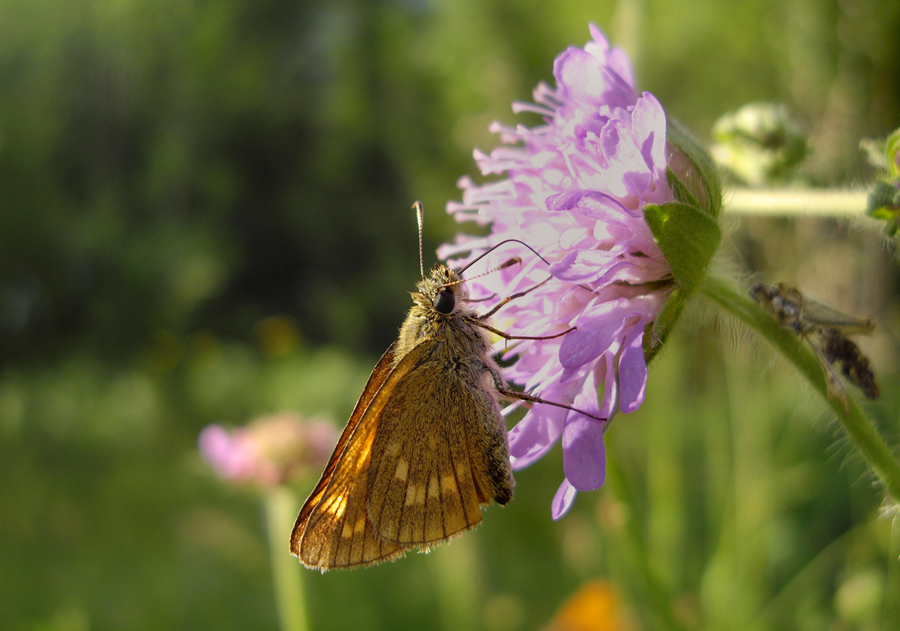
[205,216]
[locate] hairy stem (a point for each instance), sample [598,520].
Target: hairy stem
[791,202]
[859,427]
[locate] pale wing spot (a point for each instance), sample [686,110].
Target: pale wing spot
[415,494]
[448,484]
[432,442]
[433,487]
[393,449]
[402,470]
[360,525]
[347,531]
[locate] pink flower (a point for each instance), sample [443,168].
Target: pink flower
[573,190]
[270,450]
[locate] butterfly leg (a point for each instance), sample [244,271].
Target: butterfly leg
[507,336]
[524,396]
[504,391]
[512,297]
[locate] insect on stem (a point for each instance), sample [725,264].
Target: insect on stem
[825,330]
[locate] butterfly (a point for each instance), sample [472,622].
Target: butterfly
[426,445]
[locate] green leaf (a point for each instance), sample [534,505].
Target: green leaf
[688,238]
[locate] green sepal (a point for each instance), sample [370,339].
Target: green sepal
[688,238]
[697,182]
[884,201]
[680,190]
[687,230]
[884,204]
[656,333]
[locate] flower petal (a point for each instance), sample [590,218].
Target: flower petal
[648,124]
[610,385]
[584,454]
[581,265]
[593,204]
[632,369]
[576,74]
[563,499]
[595,332]
[536,433]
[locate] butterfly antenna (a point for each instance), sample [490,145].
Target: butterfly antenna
[420,219]
[513,261]
[508,263]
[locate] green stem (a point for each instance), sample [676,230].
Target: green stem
[860,429]
[287,577]
[659,595]
[784,202]
[457,578]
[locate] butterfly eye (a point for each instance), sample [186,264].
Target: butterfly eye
[444,302]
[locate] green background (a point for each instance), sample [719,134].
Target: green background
[205,217]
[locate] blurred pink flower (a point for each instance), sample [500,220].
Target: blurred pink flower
[269,451]
[574,190]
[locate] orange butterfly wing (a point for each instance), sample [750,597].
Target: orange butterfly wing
[412,467]
[337,502]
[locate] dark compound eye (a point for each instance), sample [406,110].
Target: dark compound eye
[444,302]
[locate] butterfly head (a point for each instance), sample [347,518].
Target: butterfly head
[442,291]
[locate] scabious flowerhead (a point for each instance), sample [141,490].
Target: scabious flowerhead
[575,189]
[269,451]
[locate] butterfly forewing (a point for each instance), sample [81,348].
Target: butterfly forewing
[327,532]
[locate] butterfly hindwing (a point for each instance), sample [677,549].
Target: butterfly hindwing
[427,481]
